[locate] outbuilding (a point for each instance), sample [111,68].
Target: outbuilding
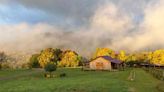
[105,63]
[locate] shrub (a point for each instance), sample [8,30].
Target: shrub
[50,67]
[34,63]
[5,65]
[157,73]
[3,57]
[62,75]
[26,66]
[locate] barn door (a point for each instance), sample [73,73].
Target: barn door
[99,65]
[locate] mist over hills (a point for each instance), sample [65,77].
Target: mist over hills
[108,25]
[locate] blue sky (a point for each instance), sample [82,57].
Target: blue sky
[61,12]
[14,14]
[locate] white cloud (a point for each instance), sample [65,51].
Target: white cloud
[110,18]
[109,27]
[150,32]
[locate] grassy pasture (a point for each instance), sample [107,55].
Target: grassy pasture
[77,81]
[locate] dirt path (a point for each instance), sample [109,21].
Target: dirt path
[132,75]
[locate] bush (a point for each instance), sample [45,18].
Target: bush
[62,75]
[5,65]
[134,63]
[25,66]
[157,73]
[50,67]
[34,63]
[47,75]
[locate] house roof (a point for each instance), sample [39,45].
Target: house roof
[110,59]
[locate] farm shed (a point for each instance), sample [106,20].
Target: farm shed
[105,63]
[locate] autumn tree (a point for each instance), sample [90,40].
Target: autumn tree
[58,53]
[131,57]
[49,55]
[150,56]
[34,63]
[69,59]
[104,52]
[122,56]
[157,57]
[142,57]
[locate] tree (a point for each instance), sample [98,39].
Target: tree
[142,56]
[150,56]
[104,52]
[122,56]
[58,53]
[157,57]
[3,57]
[131,59]
[50,67]
[48,56]
[34,63]
[69,59]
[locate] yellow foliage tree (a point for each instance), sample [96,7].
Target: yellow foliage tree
[131,58]
[47,56]
[157,57]
[104,52]
[122,56]
[69,59]
[150,56]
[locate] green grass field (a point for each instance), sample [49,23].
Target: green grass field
[77,81]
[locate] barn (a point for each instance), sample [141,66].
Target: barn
[105,63]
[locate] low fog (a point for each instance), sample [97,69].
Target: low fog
[108,26]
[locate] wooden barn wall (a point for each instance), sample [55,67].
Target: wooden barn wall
[95,64]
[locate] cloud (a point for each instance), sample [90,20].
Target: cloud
[33,38]
[106,24]
[79,12]
[24,37]
[149,34]
[153,25]
[110,18]
[109,26]
[80,25]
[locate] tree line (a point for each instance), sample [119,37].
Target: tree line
[69,58]
[151,57]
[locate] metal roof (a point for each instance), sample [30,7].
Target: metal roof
[110,59]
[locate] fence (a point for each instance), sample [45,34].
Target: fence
[157,73]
